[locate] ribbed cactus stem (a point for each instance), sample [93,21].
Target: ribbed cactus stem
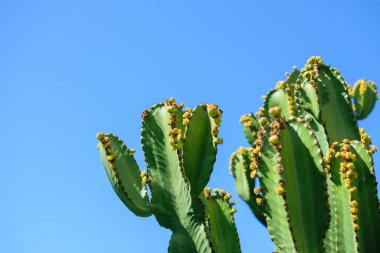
[317,183]
[180,148]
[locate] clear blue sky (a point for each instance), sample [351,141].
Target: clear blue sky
[69,69]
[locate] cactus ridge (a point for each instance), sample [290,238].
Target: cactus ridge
[180,148]
[315,165]
[239,167]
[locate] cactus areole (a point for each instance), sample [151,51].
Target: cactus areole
[180,147]
[318,191]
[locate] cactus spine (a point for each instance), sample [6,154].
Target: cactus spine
[317,183]
[180,148]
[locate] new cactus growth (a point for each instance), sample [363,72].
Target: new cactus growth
[180,149]
[317,183]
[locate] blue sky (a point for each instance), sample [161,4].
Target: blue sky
[69,69]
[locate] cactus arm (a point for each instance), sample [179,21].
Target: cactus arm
[198,143]
[334,105]
[337,113]
[221,224]
[250,127]
[270,178]
[365,96]
[366,196]
[239,163]
[171,200]
[124,175]
[304,186]
[307,98]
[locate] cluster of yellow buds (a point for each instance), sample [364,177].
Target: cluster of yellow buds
[104,140]
[254,165]
[207,192]
[309,74]
[170,102]
[347,166]
[274,138]
[216,114]
[228,196]
[313,61]
[176,138]
[312,69]
[372,150]
[291,100]
[145,177]
[247,120]
[281,85]
[242,151]
[365,138]
[354,212]
[329,156]
[187,116]
[172,109]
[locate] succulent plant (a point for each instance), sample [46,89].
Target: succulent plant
[308,175]
[180,148]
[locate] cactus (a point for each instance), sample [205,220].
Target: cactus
[317,187]
[180,148]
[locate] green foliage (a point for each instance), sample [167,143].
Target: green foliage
[314,165]
[180,149]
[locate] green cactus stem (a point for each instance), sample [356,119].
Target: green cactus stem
[313,163]
[180,149]
[365,96]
